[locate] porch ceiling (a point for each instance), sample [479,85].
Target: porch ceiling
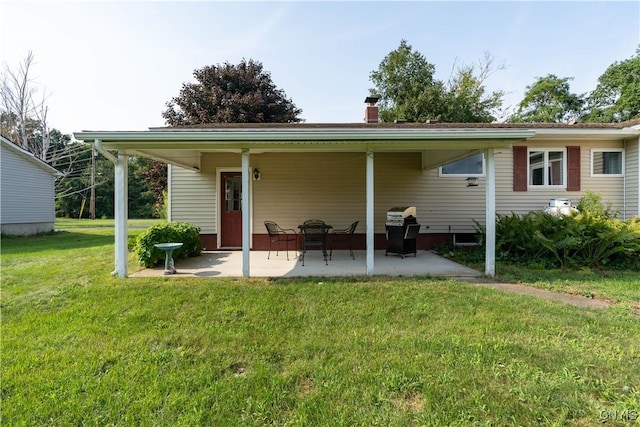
[185,147]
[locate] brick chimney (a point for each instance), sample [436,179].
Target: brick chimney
[371,112]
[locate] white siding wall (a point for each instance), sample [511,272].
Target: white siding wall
[331,187]
[27,195]
[632,169]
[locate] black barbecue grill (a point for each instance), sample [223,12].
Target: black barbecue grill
[402,230]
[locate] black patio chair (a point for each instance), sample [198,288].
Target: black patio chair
[343,235]
[314,235]
[278,234]
[313,222]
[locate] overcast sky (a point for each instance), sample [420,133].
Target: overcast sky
[114,65]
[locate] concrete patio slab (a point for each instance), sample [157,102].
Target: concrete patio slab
[229,264]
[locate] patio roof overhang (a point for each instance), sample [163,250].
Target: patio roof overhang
[184,147]
[438,144]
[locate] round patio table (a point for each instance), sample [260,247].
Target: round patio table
[168,249]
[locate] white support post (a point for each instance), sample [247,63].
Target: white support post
[121,214]
[246,232]
[370,215]
[637,173]
[490,217]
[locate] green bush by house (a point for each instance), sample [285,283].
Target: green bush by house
[591,238]
[570,241]
[167,232]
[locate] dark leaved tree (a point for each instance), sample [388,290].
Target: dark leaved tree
[227,93]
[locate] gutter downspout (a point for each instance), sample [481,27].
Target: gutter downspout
[98,146]
[121,208]
[624,182]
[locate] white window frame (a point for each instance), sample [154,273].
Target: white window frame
[607,150]
[545,168]
[458,175]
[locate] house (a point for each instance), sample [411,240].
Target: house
[229,178]
[26,192]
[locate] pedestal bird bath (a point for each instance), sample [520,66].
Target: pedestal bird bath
[168,249]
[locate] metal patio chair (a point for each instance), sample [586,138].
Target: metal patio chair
[313,222]
[278,234]
[343,235]
[314,235]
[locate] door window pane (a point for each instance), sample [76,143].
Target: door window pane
[233,193]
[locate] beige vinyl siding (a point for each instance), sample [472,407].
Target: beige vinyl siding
[298,186]
[632,172]
[449,206]
[507,200]
[332,187]
[192,196]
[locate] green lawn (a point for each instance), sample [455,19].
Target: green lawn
[74,223]
[82,348]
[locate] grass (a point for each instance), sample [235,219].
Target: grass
[83,223]
[82,348]
[616,286]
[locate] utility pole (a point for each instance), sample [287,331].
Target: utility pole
[92,201]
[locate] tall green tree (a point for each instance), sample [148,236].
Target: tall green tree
[617,96]
[407,88]
[466,98]
[228,93]
[548,100]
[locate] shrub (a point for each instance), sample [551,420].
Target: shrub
[582,240]
[592,204]
[167,232]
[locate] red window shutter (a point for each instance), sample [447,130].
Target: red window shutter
[573,168]
[519,168]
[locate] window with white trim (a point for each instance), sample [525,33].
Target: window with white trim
[469,166]
[607,162]
[547,168]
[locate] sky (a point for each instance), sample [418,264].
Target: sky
[114,65]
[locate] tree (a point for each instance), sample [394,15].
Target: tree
[24,115]
[466,100]
[548,100]
[617,96]
[227,93]
[406,86]
[154,174]
[408,90]
[23,120]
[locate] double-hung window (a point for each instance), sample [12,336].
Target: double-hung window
[469,166]
[607,162]
[547,168]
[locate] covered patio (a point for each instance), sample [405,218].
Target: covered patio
[186,147]
[229,264]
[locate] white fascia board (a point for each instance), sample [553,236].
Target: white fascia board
[585,133]
[300,135]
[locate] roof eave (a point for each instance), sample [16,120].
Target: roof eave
[299,135]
